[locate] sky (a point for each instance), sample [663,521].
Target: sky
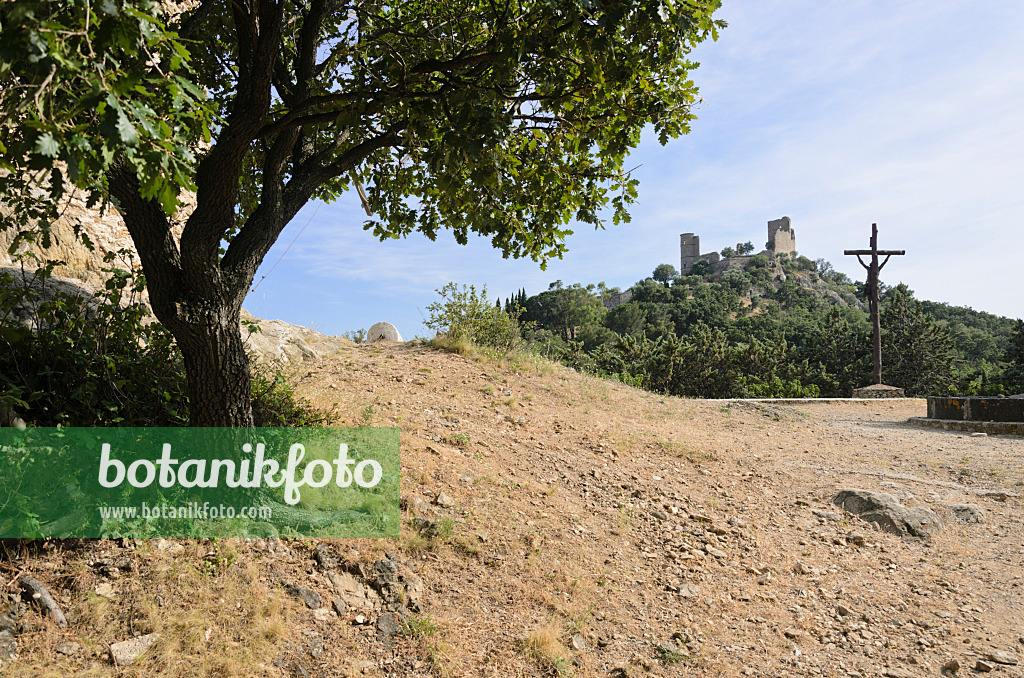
[836,114]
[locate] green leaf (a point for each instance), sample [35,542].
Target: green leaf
[47,145]
[126,131]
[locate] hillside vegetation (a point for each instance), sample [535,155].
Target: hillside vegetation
[788,327]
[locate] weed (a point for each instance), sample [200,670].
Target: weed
[367,413]
[543,645]
[624,515]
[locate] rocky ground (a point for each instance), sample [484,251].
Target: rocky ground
[557,524]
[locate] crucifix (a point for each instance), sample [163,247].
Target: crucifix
[872,290]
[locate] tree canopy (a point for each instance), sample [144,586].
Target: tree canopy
[507,120]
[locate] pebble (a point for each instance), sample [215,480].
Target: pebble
[983,667]
[952,666]
[444,500]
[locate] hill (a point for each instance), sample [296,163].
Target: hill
[560,524]
[777,326]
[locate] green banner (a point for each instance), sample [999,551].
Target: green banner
[199,482]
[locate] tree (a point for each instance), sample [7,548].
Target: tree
[744,248]
[1014,374]
[700,267]
[727,252]
[917,354]
[665,274]
[506,121]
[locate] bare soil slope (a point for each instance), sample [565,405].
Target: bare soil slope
[560,524]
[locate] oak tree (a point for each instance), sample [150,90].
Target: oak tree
[504,119]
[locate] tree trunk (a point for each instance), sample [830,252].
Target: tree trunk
[219,380]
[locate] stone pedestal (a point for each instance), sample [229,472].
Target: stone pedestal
[878,391]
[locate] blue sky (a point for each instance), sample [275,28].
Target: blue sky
[836,114]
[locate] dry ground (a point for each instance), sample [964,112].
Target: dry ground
[595,530]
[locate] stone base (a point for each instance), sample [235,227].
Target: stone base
[976,409]
[993,428]
[878,391]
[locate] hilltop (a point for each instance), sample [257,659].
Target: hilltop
[557,523]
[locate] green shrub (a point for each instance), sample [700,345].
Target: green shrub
[466,315]
[70,359]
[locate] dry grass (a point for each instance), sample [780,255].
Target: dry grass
[543,644]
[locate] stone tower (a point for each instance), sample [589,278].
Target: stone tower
[689,252]
[781,236]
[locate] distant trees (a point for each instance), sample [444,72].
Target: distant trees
[751,334]
[745,248]
[1014,375]
[665,274]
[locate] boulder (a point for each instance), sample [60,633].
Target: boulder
[888,514]
[383,331]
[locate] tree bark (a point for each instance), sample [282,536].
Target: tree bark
[219,379]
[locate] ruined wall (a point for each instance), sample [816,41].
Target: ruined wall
[781,236]
[781,240]
[689,251]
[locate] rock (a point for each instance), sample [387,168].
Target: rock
[382,331]
[428,528]
[856,538]
[660,515]
[689,591]
[69,648]
[325,557]
[983,667]
[827,515]
[897,673]
[417,504]
[8,644]
[339,606]
[353,592]
[387,627]
[715,552]
[128,651]
[952,666]
[281,343]
[998,495]
[578,642]
[105,590]
[1000,657]
[844,611]
[310,597]
[444,500]
[885,511]
[967,513]
[8,623]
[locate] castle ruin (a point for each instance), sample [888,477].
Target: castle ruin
[781,240]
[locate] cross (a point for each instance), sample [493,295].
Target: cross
[872,289]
